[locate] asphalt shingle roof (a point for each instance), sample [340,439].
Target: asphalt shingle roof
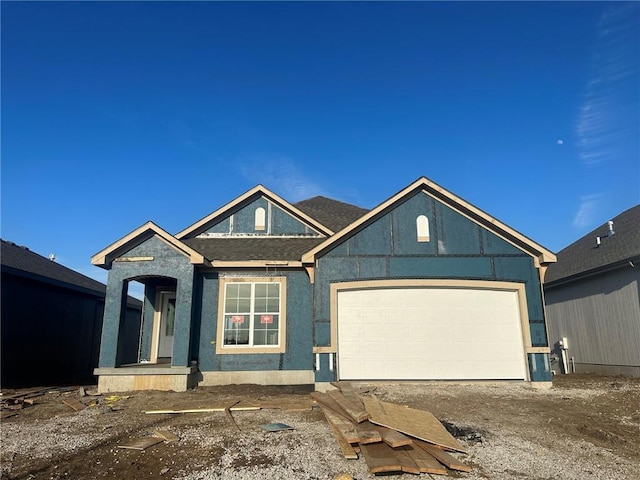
[20,260]
[331,213]
[584,255]
[253,248]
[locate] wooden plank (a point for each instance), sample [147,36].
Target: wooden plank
[344,426]
[325,400]
[7,413]
[443,457]
[73,403]
[345,447]
[380,458]
[368,433]
[406,462]
[167,436]
[240,407]
[393,438]
[425,462]
[141,443]
[227,411]
[410,421]
[355,411]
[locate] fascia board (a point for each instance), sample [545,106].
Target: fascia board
[107,255]
[270,196]
[541,254]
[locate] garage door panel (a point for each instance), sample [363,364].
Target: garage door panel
[429,333]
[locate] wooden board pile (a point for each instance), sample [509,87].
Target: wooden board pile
[390,437]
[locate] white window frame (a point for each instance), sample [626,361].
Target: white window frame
[221,348]
[422,228]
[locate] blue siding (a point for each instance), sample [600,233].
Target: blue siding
[280,221]
[299,342]
[458,249]
[166,263]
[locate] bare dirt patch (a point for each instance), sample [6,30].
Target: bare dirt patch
[584,427]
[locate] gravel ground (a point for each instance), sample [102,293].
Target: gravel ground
[584,427]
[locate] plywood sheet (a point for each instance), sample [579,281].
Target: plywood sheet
[75,404]
[380,458]
[410,421]
[167,436]
[443,457]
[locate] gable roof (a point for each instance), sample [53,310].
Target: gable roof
[256,191]
[21,261]
[584,256]
[540,254]
[104,257]
[334,214]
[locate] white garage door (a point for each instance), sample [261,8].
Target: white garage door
[429,333]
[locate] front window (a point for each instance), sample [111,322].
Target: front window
[252,313]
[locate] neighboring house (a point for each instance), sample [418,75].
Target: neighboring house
[424,286]
[51,321]
[593,300]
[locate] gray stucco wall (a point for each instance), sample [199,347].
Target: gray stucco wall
[600,317]
[298,317]
[167,263]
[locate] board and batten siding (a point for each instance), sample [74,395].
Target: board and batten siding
[600,318]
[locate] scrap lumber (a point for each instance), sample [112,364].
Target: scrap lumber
[410,421]
[425,462]
[443,457]
[393,438]
[344,426]
[32,392]
[347,450]
[242,406]
[354,410]
[380,458]
[286,404]
[73,403]
[166,436]
[141,443]
[406,462]
[325,400]
[7,413]
[367,433]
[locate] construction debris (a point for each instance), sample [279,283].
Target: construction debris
[392,439]
[276,427]
[141,443]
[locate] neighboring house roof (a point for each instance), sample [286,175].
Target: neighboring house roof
[21,261]
[253,248]
[585,257]
[256,191]
[332,213]
[540,254]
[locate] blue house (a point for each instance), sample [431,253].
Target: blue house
[425,286]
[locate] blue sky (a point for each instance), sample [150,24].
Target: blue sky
[116,113]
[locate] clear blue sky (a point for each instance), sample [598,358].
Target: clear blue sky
[117,113]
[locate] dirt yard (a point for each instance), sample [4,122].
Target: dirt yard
[586,427]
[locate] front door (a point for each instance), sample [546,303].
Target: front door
[167,324]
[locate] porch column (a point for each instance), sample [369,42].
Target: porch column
[111,322]
[182,329]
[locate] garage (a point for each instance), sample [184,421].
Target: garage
[430,333]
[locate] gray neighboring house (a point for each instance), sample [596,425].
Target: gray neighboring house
[593,300]
[51,321]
